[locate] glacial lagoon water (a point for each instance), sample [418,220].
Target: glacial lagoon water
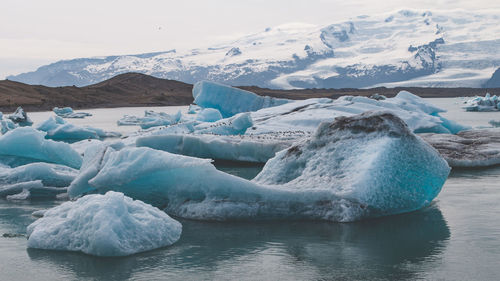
[456,238]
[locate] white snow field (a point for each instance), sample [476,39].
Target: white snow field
[426,48]
[104,225]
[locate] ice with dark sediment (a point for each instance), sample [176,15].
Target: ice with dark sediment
[20,117]
[59,129]
[321,177]
[470,148]
[67,112]
[104,225]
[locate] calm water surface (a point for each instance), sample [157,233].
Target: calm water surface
[456,238]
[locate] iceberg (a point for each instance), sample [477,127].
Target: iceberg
[257,149]
[20,117]
[67,112]
[26,145]
[30,190]
[193,109]
[356,167]
[49,174]
[470,148]
[104,225]
[150,119]
[6,124]
[306,115]
[209,115]
[58,129]
[230,101]
[494,123]
[486,103]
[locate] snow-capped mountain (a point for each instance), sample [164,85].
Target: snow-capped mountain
[407,48]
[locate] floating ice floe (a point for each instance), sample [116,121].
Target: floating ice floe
[257,149]
[6,124]
[104,225]
[471,148]
[193,109]
[150,119]
[494,123]
[67,112]
[59,129]
[26,145]
[20,117]
[486,103]
[305,115]
[230,101]
[356,167]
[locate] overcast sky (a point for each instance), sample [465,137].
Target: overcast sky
[34,32]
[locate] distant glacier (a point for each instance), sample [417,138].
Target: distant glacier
[407,48]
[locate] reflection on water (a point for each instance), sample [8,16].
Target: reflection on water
[267,250]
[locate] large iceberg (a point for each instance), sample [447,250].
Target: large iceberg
[356,167]
[26,145]
[67,112]
[470,148]
[305,115]
[58,129]
[20,117]
[104,225]
[230,101]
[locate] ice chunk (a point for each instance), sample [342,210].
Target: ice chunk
[58,129]
[7,125]
[104,225]
[235,148]
[27,145]
[67,112]
[20,117]
[230,101]
[356,167]
[306,115]
[470,148]
[193,109]
[494,123]
[48,174]
[236,125]
[486,103]
[209,115]
[150,119]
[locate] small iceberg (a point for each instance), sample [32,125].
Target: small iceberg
[20,117]
[486,103]
[104,225]
[26,145]
[6,124]
[470,148]
[150,119]
[67,112]
[59,129]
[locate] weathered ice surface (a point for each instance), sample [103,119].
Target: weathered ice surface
[104,225]
[230,101]
[471,148]
[27,145]
[356,167]
[59,129]
[20,117]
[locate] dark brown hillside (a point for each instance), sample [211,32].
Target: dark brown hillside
[134,89]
